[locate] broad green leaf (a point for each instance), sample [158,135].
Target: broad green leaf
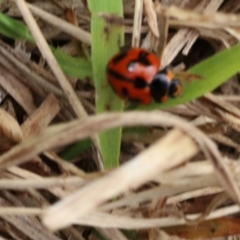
[107,37]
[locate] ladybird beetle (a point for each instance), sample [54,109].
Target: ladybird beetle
[134,75]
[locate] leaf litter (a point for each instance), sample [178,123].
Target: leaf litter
[187,174]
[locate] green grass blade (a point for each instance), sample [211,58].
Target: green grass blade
[214,70]
[73,67]
[107,37]
[14,29]
[76,149]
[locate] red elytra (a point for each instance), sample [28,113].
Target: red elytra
[134,75]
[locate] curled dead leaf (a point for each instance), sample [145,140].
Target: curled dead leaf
[9,127]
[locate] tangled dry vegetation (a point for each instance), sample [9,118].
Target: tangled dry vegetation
[179,179]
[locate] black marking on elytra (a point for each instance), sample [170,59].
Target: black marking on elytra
[117,75]
[173,88]
[159,87]
[119,57]
[142,58]
[140,83]
[137,82]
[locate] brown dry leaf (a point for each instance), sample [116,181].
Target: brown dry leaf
[9,127]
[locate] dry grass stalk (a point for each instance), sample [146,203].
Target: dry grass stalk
[93,220]
[225,140]
[29,225]
[41,118]
[90,198]
[109,220]
[137,23]
[56,136]
[9,127]
[17,90]
[99,219]
[193,19]
[39,183]
[48,55]
[207,7]
[12,62]
[185,38]
[163,33]
[67,133]
[46,52]
[228,107]
[151,17]
[72,30]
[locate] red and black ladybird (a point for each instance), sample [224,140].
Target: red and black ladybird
[134,75]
